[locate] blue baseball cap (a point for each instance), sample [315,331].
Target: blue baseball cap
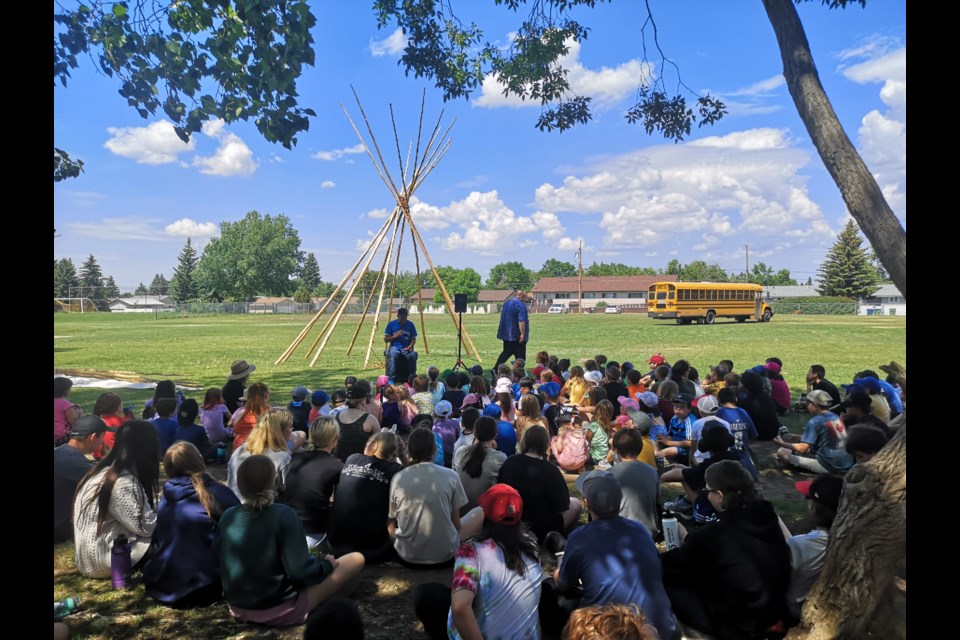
[320,398]
[550,389]
[492,410]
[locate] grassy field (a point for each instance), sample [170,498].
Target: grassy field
[197,351]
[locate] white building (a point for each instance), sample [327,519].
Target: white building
[885,301]
[141,304]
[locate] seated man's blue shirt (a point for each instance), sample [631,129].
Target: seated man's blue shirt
[409,331]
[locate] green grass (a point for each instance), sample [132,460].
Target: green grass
[197,351]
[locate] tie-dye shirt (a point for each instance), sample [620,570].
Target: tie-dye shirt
[505,603]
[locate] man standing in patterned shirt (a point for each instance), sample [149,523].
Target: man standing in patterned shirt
[514,329]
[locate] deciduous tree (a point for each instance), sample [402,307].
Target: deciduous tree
[554,268]
[256,255]
[194,61]
[510,275]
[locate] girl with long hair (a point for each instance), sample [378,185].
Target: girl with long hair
[480,387]
[182,571]
[214,416]
[408,409]
[529,415]
[576,386]
[188,430]
[257,403]
[496,578]
[479,463]
[118,496]
[570,447]
[435,387]
[269,576]
[269,438]
[600,431]
[313,477]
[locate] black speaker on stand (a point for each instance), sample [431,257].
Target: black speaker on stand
[459,305]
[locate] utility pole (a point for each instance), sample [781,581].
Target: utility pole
[580,278]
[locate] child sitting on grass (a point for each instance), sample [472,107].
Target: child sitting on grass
[570,447]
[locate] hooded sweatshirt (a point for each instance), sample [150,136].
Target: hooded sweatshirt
[185,559]
[739,568]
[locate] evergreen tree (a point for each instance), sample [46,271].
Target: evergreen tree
[90,275]
[847,270]
[310,272]
[110,289]
[141,290]
[64,278]
[159,285]
[181,285]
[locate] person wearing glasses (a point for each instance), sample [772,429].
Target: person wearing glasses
[729,579]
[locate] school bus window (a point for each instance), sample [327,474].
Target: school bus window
[670,295]
[713,294]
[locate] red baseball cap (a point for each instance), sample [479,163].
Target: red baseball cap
[502,504]
[656,359]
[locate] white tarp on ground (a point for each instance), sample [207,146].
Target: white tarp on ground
[104,383]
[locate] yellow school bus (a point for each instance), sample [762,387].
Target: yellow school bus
[704,302]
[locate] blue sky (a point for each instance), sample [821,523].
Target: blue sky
[506,191]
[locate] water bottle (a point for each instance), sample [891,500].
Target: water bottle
[221,453]
[65,607]
[671,532]
[783,431]
[120,564]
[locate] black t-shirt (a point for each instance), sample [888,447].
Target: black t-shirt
[763,412]
[695,476]
[455,398]
[614,391]
[829,387]
[543,490]
[231,393]
[311,480]
[301,415]
[551,413]
[359,515]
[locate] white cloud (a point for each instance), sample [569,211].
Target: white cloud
[571,244]
[336,154]
[479,223]
[549,224]
[232,158]
[392,45]
[125,228]
[272,158]
[154,144]
[187,228]
[328,184]
[697,195]
[759,88]
[882,135]
[607,85]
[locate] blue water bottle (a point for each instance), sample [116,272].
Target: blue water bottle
[120,564]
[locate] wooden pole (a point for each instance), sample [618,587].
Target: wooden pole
[296,343]
[396,267]
[443,289]
[423,325]
[332,323]
[377,239]
[383,287]
[373,139]
[380,276]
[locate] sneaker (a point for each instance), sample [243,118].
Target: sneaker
[680,505]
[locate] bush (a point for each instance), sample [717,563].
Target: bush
[846,308]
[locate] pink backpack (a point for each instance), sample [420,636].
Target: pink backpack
[575,450]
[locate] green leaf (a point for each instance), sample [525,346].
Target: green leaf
[119,10]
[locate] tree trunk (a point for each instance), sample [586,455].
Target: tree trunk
[859,189]
[854,597]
